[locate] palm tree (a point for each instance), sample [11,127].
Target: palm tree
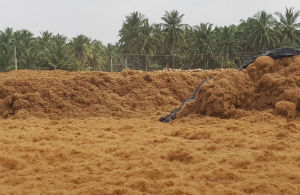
[111,52]
[173,30]
[29,58]
[202,43]
[43,44]
[55,54]
[80,46]
[45,37]
[288,25]
[262,34]
[26,49]
[228,46]
[6,49]
[130,32]
[158,36]
[146,41]
[185,60]
[96,55]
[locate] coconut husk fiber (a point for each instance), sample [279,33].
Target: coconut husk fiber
[261,86]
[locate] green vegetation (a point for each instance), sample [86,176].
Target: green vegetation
[151,46]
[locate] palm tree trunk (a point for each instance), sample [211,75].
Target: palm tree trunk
[146,61]
[173,60]
[172,53]
[111,65]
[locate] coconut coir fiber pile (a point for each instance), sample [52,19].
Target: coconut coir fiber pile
[98,133]
[61,94]
[265,84]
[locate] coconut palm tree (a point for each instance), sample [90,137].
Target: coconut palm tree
[95,55]
[158,36]
[79,47]
[288,25]
[45,37]
[55,53]
[130,32]
[202,43]
[29,57]
[111,52]
[227,48]
[262,34]
[146,41]
[26,49]
[6,49]
[173,30]
[43,43]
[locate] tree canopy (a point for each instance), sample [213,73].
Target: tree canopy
[145,45]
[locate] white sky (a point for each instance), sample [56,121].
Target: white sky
[102,19]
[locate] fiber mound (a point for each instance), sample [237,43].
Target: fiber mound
[266,84]
[64,133]
[257,154]
[61,94]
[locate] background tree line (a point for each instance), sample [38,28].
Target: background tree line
[153,46]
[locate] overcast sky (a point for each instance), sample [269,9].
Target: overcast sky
[102,19]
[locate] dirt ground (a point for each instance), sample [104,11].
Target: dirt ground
[98,133]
